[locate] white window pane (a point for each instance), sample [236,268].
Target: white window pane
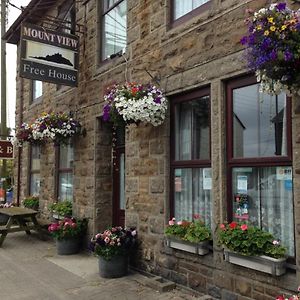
[65,186]
[37,89]
[35,184]
[114,30]
[192,189]
[182,7]
[66,156]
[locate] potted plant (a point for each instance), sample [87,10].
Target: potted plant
[252,247]
[188,236]
[61,209]
[273,47]
[31,202]
[68,234]
[113,247]
[134,103]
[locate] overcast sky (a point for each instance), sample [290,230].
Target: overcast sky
[11,57]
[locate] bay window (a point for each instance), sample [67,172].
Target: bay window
[190,157]
[259,159]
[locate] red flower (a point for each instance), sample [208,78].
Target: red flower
[134,90]
[279,298]
[233,225]
[244,227]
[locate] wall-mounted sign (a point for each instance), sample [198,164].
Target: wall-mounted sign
[48,55]
[6,149]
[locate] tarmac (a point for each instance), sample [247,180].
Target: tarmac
[30,269]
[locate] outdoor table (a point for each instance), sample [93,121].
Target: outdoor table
[19,219]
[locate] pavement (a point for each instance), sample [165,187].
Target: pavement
[30,269]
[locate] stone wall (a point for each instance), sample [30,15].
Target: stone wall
[202,51]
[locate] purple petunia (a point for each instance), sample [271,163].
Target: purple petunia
[281,6]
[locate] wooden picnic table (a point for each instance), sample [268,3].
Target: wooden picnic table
[19,219]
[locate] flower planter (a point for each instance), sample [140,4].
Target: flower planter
[68,246]
[114,268]
[196,248]
[266,264]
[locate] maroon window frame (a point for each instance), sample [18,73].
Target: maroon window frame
[195,12]
[175,164]
[255,161]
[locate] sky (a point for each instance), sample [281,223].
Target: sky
[11,60]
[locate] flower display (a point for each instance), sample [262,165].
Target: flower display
[194,231]
[68,228]
[134,103]
[249,240]
[55,127]
[273,47]
[113,241]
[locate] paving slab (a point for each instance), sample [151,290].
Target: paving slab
[31,269]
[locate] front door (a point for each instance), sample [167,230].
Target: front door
[119,179]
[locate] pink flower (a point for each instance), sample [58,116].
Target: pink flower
[179,223]
[133,233]
[280,298]
[244,227]
[275,242]
[107,240]
[222,226]
[171,222]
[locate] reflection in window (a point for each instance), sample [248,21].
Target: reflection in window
[35,161]
[192,130]
[114,35]
[37,89]
[259,125]
[181,8]
[264,196]
[65,172]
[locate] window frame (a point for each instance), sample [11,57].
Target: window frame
[193,13]
[59,171]
[33,171]
[193,163]
[232,162]
[104,9]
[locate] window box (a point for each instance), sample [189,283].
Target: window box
[196,248]
[266,264]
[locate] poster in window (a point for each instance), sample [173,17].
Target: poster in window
[207,179]
[242,184]
[284,173]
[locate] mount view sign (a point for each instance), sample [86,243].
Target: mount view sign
[48,55]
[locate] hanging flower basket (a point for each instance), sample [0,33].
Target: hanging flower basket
[134,103]
[273,48]
[51,127]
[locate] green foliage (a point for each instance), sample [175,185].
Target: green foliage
[63,208]
[31,202]
[68,228]
[249,240]
[193,232]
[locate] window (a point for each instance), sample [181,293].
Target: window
[182,8]
[259,160]
[65,172]
[37,89]
[34,176]
[114,26]
[190,157]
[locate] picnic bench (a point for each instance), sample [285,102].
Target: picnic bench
[19,219]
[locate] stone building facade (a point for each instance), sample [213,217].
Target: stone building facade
[196,53]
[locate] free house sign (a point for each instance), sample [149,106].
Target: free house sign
[48,55]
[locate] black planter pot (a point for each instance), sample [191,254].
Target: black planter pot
[68,246]
[114,268]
